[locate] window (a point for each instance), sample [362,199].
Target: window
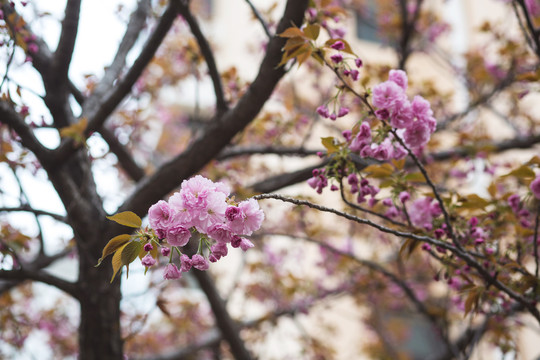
[366,22]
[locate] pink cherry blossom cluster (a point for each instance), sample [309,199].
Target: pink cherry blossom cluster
[413,121]
[325,112]
[341,64]
[421,211]
[201,210]
[363,189]
[521,213]
[318,181]
[477,234]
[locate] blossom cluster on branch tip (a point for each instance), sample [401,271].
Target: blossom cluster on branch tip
[398,125]
[338,110]
[202,211]
[413,121]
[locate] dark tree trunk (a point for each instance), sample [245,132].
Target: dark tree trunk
[99,330]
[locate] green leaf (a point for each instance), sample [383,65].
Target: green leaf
[292,44]
[126,218]
[523,171]
[117,261]
[293,51]
[328,143]
[534,160]
[471,303]
[75,131]
[408,247]
[386,183]
[312,31]
[474,201]
[302,49]
[318,55]
[399,164]
[325,3]
[292,32]
[415,177]
[130,253]
[379,170]
[114,244]
[304,56]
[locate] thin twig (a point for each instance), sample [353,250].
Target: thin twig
[359,220]
[12,252]
[409,292]
[8,64]
[133,30]
[522,26]
[10,117]
[533,31]
[27,208]
[25,200]
[535,243]
[422,169]
[368,211]
[208,55]
[259,17]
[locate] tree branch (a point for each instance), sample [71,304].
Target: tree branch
[407,30]
[516,143]
[368,211]
[10,117]
[40,60]
[359,220]
[41,276]
[206,340]
[407,290]
[482,99]
[280,181]
[535,33]
[28,208]
[37,264]
[126,160]
[25,200]
[230,152]
[135,25]
[66,44]
[98,115]
[206,51]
